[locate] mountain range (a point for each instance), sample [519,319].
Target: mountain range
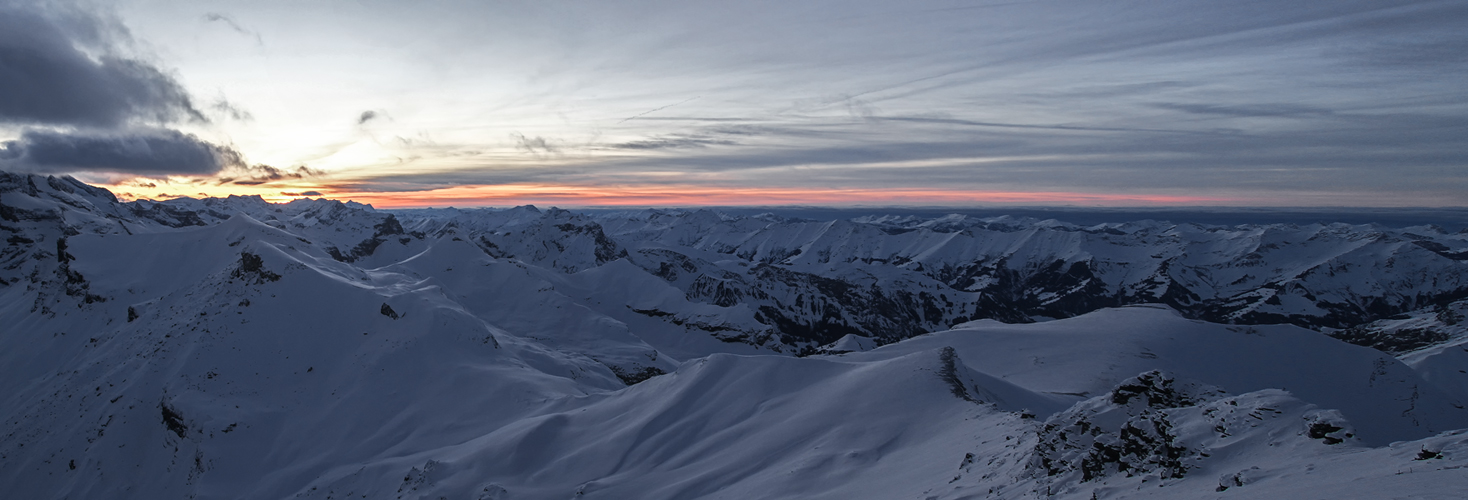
[235,348]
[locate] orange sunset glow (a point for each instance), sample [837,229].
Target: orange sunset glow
[658,195]
[682,196]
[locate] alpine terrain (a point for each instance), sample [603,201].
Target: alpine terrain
[233,348]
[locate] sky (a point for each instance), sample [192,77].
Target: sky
[685,103]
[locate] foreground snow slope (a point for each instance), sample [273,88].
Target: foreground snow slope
[1087,355]
[916,419]
[230,348]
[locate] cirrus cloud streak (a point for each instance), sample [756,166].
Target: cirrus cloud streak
[696,195]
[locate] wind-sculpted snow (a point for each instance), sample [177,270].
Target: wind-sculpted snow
[233,348]
[722,426]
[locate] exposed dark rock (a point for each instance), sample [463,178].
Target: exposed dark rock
[1329,427]
[631,377]
[389,227]
[1323,431]
[1391,341]
[173,420]
[73,283]
[252,270]
[605,249]
[167,215]
[948,372]
[1153,389]
[1072,442]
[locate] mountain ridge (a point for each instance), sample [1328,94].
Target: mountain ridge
[231,348]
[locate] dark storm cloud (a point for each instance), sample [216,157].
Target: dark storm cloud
[366,116]
[142,152]
[88,106]
[59,67]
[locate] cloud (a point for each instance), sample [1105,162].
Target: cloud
[972,123]
[60,67]
[215,17]
[1342,97]
[659,108]
[1247,110]
[148,152]
[673,142]
[225,108]
[534,145]
[88,106]
[250,175]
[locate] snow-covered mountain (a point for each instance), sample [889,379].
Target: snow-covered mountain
[233,348]
[808,283]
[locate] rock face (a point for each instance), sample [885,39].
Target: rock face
[1127,431]
[233,348]
[1440,324]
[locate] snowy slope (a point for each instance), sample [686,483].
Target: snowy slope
[231,348]
[1385,399]
[1432,340]
[259,374]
